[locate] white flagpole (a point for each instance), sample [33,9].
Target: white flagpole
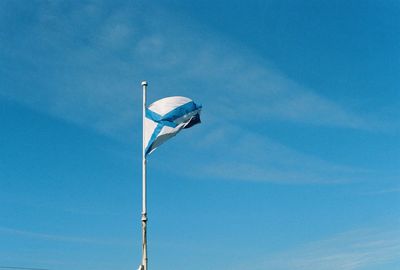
[144,208]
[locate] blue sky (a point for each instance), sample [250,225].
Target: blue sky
[295,166]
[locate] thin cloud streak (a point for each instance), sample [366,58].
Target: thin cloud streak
[383,191]
[21,268]
[45,236]
[53,237]
[102,56]
[346,251]
[233,153]
[92,85]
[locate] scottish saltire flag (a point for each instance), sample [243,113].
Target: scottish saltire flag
[166,117]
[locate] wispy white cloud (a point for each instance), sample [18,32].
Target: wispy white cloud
[54,237]
[232,153]
[359,249]
[45,236]
[86,63]
[384,191]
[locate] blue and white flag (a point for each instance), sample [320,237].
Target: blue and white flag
[166,117]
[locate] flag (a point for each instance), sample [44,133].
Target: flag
[165,118]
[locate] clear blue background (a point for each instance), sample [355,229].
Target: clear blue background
[295,166]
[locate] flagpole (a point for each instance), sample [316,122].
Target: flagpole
[144,206]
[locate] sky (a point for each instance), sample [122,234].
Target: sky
[294,167]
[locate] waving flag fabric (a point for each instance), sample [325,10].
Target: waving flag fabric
[166,117]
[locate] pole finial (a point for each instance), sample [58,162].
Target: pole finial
[144,83]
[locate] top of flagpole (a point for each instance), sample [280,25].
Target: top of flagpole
[144,83]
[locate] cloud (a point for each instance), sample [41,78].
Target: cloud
[352,250]
[21,268]
[84,65]
[384,191]
[233,153]
[59,238]
[45,236]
